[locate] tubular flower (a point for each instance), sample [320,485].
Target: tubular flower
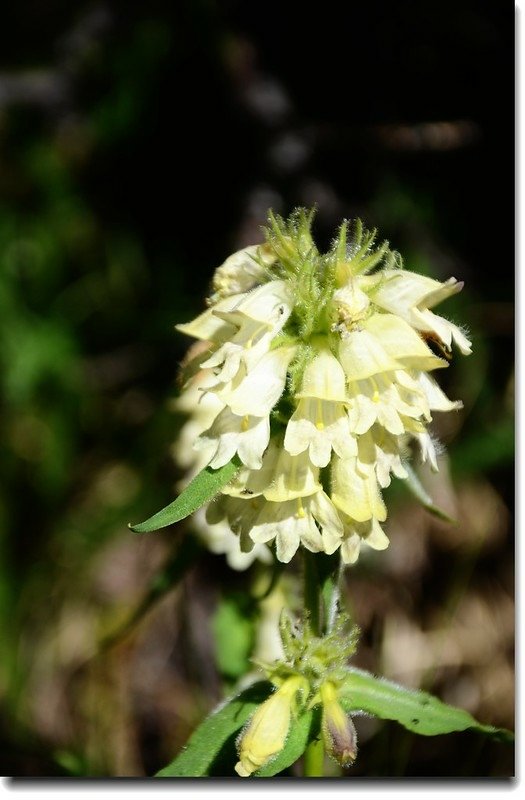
[313,370]
[320,423]
[201,408]
[339,733]
[267,731]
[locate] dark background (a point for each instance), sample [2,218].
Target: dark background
[140,144]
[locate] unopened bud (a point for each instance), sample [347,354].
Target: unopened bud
[267,731]
[339,734]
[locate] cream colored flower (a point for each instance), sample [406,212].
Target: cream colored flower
[428,450]
[320,423]
[402,343]
[229,434]
[410,296]
[288,523]
[314,362]
[435,396]
[255,392]
[210,327]
[356,534]
[258,317]
[281,502]
[293,522]
[294,477]
[383,453]
[267,730]
[355,490]
[363,355]
[242,271]
[385,400]
[217,535]
[201,409]
[220,539]
[239,514]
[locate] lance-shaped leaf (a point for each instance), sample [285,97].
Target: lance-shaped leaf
[415,710]
[199,491]
[420,493]
[203,750]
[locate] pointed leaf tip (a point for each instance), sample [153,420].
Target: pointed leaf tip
[415,710]
[203,488]
[417,489]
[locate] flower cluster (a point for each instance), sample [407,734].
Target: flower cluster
[314,371]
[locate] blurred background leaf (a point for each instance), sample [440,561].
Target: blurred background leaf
[139,146]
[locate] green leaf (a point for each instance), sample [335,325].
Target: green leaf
[204,747]
[417,711]
[201,490]
[420,493]
[299,736]
[233,631]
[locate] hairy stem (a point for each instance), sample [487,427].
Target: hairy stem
[314,760]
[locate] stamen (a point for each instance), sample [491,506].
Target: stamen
[300,513]
[255,334]
[319,424]
[245,424]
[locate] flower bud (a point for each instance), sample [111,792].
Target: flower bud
[339,734]
[267,730]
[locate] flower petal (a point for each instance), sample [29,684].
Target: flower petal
[271,303]
[253,482]
[401,342]
[437,399]
[324,378]
[329,521]
[256,392]
[401,290]
[241,271]
[425,320]
[229,433]
[350,548]
[207,326]
[294,476]
[319,425]
[363,355]
[356,494]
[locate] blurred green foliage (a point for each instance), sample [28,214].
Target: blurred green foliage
[138,147]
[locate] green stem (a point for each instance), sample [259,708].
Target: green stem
[312,593]
[331,593]
[314,760]
[321,592]
[322,576]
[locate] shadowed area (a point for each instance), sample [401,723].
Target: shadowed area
[139,146]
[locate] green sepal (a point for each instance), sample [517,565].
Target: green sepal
[417,711]
[199,491]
